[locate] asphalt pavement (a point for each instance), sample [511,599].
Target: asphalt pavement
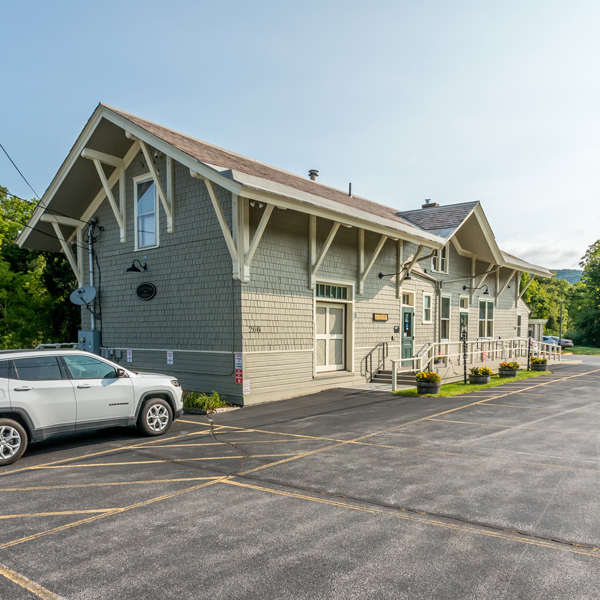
[342,494]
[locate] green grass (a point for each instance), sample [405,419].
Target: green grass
[583,350]
[458,389]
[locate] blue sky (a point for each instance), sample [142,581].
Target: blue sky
[453,101]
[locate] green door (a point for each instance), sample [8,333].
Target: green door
[408,334]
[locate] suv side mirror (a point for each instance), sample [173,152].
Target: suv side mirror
[121,373]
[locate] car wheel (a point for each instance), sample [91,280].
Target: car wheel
[155,417]
[13,441]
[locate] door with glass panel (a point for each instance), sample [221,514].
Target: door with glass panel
[330,337]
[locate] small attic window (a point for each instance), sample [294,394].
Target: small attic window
[439,260]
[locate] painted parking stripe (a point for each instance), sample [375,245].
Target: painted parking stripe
[27,584]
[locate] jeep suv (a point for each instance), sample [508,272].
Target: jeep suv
[48,392]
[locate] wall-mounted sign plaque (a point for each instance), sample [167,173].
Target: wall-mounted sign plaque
[377,317]
[146,291]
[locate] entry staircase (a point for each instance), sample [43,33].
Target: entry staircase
[441,356]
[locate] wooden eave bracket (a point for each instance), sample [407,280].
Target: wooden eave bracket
[506,283]
[165,199]
[220,215]
[99,158]
[76,264]
[526,286]
[481,281]
[258,234]
[363,275]
[314,261]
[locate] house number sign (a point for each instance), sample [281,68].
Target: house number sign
[146,291]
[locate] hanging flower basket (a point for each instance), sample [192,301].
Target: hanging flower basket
[428,382]
[508,369]
[480,375]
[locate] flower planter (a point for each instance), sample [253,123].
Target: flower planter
[508,372]
[428,387]
[539,367]
[479,379]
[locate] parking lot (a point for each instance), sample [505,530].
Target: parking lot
[341,494]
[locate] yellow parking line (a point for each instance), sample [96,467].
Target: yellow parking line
[88,485]
[525,407]
[108,514]
[151,462]
[425,520]
[143,444]
[30,586]
[396,427]
[229,441]
[57,514]
[507,426]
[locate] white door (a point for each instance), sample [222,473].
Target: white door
[331,345]
[101,394]
[37,386]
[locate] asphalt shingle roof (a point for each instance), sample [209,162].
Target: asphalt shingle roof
[213,155]
[439,217]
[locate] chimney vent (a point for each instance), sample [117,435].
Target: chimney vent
[429,204]
[313,174]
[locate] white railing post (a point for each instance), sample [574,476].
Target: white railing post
[394,375]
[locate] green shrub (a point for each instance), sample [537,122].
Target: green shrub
[428,376]
[481,371]
[201,400]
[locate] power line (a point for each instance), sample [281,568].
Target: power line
[51,210]
[19,171]
[39,202]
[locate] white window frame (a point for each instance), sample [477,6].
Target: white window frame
[519,325]
[137,180]
[486,320]
[444,258]
[460,299]
[430,309]
[449,319]
[411,298]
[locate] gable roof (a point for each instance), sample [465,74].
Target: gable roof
[433,218]
[219,157]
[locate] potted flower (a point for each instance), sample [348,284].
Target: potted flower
[428,382]
[480,375]
[508,369]
[539,363]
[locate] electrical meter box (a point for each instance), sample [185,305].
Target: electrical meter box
[89,341]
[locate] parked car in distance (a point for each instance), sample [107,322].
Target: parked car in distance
[48,392]
[563,342]
[549,340]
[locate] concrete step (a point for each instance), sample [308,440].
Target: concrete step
[383,378]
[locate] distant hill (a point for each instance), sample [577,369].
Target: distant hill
[570,275]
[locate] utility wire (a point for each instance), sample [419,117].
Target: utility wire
[19,171]
[52,210]
[39,202]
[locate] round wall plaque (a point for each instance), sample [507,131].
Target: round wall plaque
[146,291]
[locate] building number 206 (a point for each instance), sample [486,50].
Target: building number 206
[254,329]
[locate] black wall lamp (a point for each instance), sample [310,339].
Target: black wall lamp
[407,277]
[486,293]
[134,269]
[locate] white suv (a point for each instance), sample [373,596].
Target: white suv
[43,393]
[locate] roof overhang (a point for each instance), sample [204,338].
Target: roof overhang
[76,190]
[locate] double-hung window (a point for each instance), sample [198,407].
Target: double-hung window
[146,214]
[519,326]
[445,318]
[426,308]
[439,260]
[486,318]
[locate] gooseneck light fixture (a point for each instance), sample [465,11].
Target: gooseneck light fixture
[486,293]
[134,269]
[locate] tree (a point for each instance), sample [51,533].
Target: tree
[587,297]
[34,286]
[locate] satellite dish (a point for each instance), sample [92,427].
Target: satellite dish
[83,295]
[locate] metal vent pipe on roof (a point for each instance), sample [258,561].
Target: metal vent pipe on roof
[313,174]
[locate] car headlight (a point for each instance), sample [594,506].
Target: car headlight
[175,383]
